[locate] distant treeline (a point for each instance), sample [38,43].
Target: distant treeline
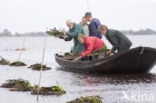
[139,32]
[6,32]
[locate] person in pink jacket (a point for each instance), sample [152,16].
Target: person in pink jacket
[91,44]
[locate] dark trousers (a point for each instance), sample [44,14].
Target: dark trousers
[87,58]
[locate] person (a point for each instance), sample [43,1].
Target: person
[74,31]
[84,25]
[91,44]
[93,26]
[118,40]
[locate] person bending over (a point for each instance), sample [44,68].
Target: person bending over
[118,40]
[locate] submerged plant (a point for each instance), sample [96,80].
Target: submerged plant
[53,90]
[88,99]
[17,85]
[17,63]
[38,67]
[57,33]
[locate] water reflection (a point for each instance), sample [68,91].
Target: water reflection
[89,79]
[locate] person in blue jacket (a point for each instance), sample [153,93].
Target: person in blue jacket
[93,26]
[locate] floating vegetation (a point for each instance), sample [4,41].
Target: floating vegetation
[4,61]
[17,63]
[20,49]
[17,85]
[38,67]
[53,90]
[9,84]
[24,85]
[88,99]
[57,33]
[17,49]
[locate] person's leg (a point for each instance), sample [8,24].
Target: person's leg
[87,58]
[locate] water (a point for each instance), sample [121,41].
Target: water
[110,87]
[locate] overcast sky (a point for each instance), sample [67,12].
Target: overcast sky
[36,15]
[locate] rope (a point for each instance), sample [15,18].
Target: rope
[88,5]
[142,50]
[21,50]
[41,68]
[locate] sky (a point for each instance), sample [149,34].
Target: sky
[36,15]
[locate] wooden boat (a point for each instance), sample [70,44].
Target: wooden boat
[136,60]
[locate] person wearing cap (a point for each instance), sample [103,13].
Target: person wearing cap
[93,26]
[118,40]
[84,25]
[74,31]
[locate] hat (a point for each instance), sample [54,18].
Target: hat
[87,14]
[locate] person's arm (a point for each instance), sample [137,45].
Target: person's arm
[100,35]
[114,43]
[94,27]
[75,33]
[68,38]
[72,34]
[97,23]
[88,50]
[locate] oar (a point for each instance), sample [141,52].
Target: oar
[77,58]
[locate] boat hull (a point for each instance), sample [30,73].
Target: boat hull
[136,60]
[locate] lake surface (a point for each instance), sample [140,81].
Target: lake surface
[140,88]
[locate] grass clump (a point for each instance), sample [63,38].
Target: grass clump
[4,61]
[53,90]
[38,67]
[17,85]
[88,99]
[17,63]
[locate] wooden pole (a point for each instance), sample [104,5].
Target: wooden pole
[88,5]
[19,57]
[44,47]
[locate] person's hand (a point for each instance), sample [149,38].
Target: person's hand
[61,37]
[109,52]
[66,34]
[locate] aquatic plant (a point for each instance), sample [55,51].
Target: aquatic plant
[20,49]
[95,55]
[4,61]
[9,84]
[17,85]
[88,99]
[71,56]
[38,67]
[24,85]
[53,90]
[17,63]
[57,33]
